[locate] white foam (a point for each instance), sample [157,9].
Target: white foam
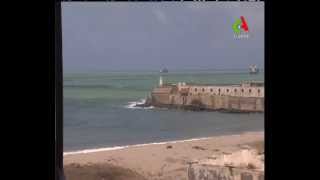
[133,105]
[86,151]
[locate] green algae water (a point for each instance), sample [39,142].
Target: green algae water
[99,111]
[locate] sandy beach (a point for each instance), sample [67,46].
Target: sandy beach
[165,161]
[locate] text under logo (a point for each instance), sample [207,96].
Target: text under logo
[240,28]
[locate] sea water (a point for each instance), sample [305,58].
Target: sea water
[99,109]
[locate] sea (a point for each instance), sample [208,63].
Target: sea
[99,109]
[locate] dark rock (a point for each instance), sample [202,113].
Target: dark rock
[198,148]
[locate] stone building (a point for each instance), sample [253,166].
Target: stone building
[248,96]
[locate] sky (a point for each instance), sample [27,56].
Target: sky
[111,36]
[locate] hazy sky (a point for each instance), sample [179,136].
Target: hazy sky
[151,35]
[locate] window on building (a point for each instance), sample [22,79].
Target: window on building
[249,90]
[235,90]
[242,90]
[202,89]
[195,89]
[210,90]
[227,90]
[259,91]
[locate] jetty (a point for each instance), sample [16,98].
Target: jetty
[244,97]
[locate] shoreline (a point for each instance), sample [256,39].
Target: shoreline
[160,161]
[113,148]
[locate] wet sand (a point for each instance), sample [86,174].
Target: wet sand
[167,161]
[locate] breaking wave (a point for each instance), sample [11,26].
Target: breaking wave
[134,105]
[86,151]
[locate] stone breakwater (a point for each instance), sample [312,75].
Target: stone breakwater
[245,97]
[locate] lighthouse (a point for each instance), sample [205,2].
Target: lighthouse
[162,71]
[160,81]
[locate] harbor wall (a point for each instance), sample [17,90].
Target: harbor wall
[175,97]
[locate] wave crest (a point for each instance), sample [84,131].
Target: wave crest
[135,105]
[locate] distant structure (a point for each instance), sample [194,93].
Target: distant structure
[160,81]
[244,97]
[164,70]
[253,69]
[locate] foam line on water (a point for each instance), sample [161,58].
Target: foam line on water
[86,151]
[133,105]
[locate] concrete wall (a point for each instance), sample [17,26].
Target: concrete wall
[207,172]
[177,99]
[240,91]
[158,99]
[211,102]
[234,97]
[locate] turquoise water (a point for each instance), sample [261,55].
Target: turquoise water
[97,112]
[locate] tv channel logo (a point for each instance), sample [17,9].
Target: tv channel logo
[240,28]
